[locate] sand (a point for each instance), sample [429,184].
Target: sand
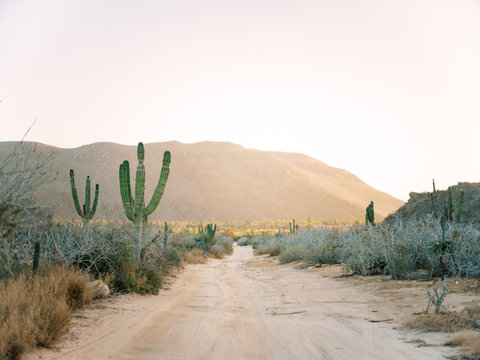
[242,307]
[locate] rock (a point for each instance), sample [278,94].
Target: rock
[99,289]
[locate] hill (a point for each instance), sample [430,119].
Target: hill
[210,180]
[420,204]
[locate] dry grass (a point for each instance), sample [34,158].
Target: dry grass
[272,251]
[194,256]
[469,343]
[216,253]
[36,312]
[468,318]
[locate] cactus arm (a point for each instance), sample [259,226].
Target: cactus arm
[86,208]
[126,190]
[74,193]
[162,182]
[95,202]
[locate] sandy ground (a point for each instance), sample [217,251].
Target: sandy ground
[245,307]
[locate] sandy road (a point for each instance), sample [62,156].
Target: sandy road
[243,307]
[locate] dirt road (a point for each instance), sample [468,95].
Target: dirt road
[242,307]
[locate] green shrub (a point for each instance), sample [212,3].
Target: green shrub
[223,245]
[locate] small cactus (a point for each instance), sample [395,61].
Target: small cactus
[36,258]
[293,227]
[211,230]
[167,229]
[86,213]
[370,214]
[433,198]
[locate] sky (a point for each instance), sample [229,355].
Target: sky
[386,89]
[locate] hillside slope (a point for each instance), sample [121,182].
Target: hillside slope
[211,180]
[420,204]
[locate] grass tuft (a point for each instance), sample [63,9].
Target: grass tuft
[36,311]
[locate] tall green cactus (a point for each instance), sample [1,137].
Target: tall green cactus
[370,214]
[135,209]
[86,213]
[454,211]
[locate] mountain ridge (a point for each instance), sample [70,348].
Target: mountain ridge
[211,180]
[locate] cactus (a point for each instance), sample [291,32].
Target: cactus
[135,208]
[36,258]
[211,230]
[293,227]
[453,212]
[167,229]
[370,214]
[433,198]
[86,213]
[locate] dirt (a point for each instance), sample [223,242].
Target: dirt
[246,307]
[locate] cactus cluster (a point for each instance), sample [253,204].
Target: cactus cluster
[167,229]
[134,207]
[211,230]
[293,227]
[370,214]
[205,239]
[86,213]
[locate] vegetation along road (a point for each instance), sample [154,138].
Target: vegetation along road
[241,307]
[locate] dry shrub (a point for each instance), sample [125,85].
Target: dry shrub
[194,256]
[468,341]
[272,251]
[443,322]
[216,253]
[36,312]
[468,318]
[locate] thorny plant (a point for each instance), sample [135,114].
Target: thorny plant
[22,172]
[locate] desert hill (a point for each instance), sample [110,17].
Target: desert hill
[210,180]
[420,204]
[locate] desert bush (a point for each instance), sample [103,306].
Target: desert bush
[401,248]
[194,256]
[224,244]
[468,341]
[204,241]
[243,241]
[103,250]
[314,246]
[22,172]
[467,319]
[291,253]
[36,311]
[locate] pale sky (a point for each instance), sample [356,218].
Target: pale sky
[386,89]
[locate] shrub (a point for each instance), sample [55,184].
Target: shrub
[243,242]
[194,256]
[36,311]
[204,241]
[224,244]
[401,248]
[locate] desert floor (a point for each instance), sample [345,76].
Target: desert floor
[247,307]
